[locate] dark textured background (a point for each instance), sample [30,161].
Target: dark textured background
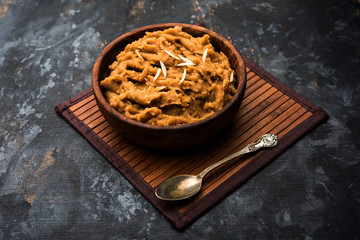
[54,184]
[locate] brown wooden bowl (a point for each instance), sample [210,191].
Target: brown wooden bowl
[168,137]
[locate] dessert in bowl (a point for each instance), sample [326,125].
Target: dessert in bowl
[169,86]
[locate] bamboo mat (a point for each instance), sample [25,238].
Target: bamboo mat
[269,106]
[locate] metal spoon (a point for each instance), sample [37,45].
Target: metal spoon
[184,186]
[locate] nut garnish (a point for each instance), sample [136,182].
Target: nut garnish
[231,76]
[185,64]
[137,52]
[171,54]
[183,77]
[157,74]
[163,68]
[204,55]
[186,60]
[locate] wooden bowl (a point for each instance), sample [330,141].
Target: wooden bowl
[169,137]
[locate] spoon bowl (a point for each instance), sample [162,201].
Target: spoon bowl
[185,186]
[179,187]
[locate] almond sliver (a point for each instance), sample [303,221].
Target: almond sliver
[231,76]
[171,54]
[137,52]
[163,68]
[204,55]
[157,74]
[186,60]
[186,64]
[183,76]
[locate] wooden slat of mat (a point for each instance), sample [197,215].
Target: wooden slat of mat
[92,118]
[83,113]
[295,123]
[99,128]
[76,106]
[96,122]
[117,148]
[264,109]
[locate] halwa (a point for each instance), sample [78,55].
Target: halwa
[169,78]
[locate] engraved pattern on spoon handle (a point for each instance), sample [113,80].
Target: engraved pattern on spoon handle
[267,140]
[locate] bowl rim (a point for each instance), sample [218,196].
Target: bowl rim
[241,78]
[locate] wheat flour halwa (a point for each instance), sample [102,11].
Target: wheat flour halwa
[168,78]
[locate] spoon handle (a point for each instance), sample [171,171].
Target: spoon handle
[267,140]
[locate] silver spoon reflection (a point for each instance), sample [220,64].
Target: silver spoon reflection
[184,186]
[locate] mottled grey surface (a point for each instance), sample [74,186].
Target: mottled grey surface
[54,184]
